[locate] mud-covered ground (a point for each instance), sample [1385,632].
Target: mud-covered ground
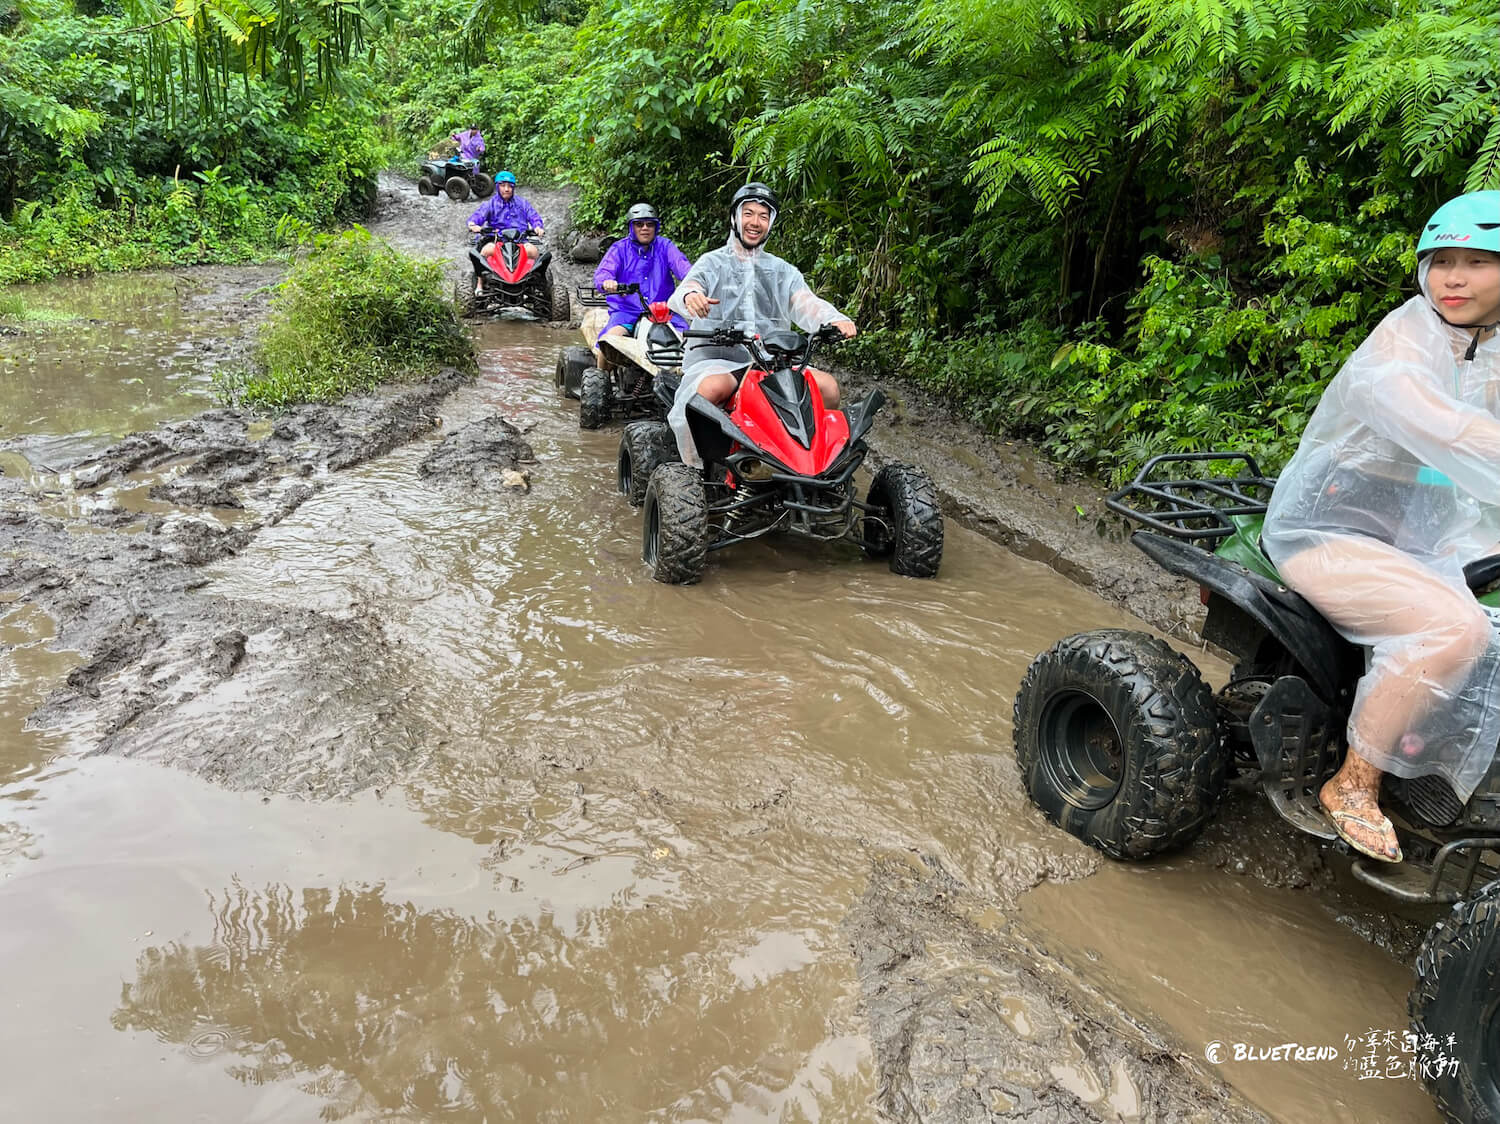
[172,672]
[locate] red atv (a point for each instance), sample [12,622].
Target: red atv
[777,460]
[517,273]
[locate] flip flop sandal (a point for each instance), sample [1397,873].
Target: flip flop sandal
[1339,818]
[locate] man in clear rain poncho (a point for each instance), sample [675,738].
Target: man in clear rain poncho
[741,284]
[1394,487]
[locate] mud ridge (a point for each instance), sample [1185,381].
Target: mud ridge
[972,1024]
[176,675]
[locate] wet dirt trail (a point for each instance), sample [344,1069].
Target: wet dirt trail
[403,797]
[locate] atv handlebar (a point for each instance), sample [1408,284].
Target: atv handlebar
[736,336]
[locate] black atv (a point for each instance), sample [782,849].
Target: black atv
[627,387]
[521,277]
[1121,743]
[456,178]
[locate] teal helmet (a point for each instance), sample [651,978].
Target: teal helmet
[506,177]
[1470,222]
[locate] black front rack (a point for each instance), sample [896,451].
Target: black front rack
[1193,508]
[591,297]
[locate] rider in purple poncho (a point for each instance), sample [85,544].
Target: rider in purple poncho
[644,258]
[505,210]
[470,144]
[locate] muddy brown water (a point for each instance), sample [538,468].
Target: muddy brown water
[625,871]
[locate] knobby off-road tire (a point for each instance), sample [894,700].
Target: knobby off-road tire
[674,526]
[425,186]
[643,446]
[1117,740]
[464,298]
[1457,992]
[557,298]
[457,188]
[482,185]
[907,498]
[593,399]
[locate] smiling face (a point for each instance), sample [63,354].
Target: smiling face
[755,223]
[1465,285]
[645,231]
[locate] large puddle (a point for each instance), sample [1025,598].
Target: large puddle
[614,887]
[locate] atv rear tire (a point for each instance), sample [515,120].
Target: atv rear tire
[426,186]
[482,185]
[674,527]
[906,498]
[593,399]
[1118,743]
[1457,992]
[457,188]
[644,446]
[557,298]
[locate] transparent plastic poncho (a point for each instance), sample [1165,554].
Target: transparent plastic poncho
[1394,487]
[755,290]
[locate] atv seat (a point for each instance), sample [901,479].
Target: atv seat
[1482,573]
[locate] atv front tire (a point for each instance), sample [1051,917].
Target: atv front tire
[425,186]
[1457,992]
[593,399]
[464,299]
[1118,743]
[482,185]
[457,188]
[674,529]
[643,447]
[908,523]
[557,298]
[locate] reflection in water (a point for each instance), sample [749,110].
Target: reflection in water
[376,1008]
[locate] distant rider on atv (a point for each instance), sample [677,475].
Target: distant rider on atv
[470,144]
[1394,487]
[742,284]
[646,258]
[504,210]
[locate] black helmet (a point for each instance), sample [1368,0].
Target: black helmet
[750,193]
[643,212]
[754,192]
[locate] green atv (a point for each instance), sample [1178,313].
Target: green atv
[1121,743]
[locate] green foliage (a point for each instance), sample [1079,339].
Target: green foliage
[354,313]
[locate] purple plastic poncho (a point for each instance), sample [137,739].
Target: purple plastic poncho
[470,144]
[655,268]
[517,214]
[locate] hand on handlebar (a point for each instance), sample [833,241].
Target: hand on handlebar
[611,286]
[698,303]
[845,328]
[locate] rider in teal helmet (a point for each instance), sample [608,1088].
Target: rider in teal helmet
[1394,488]
[1468,224]
[504,210]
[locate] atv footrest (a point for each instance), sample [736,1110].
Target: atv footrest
[1447,879]
[1291,729]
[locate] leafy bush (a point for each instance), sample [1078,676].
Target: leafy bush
[354,313]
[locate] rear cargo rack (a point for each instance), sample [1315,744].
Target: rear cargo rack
[1194,509]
